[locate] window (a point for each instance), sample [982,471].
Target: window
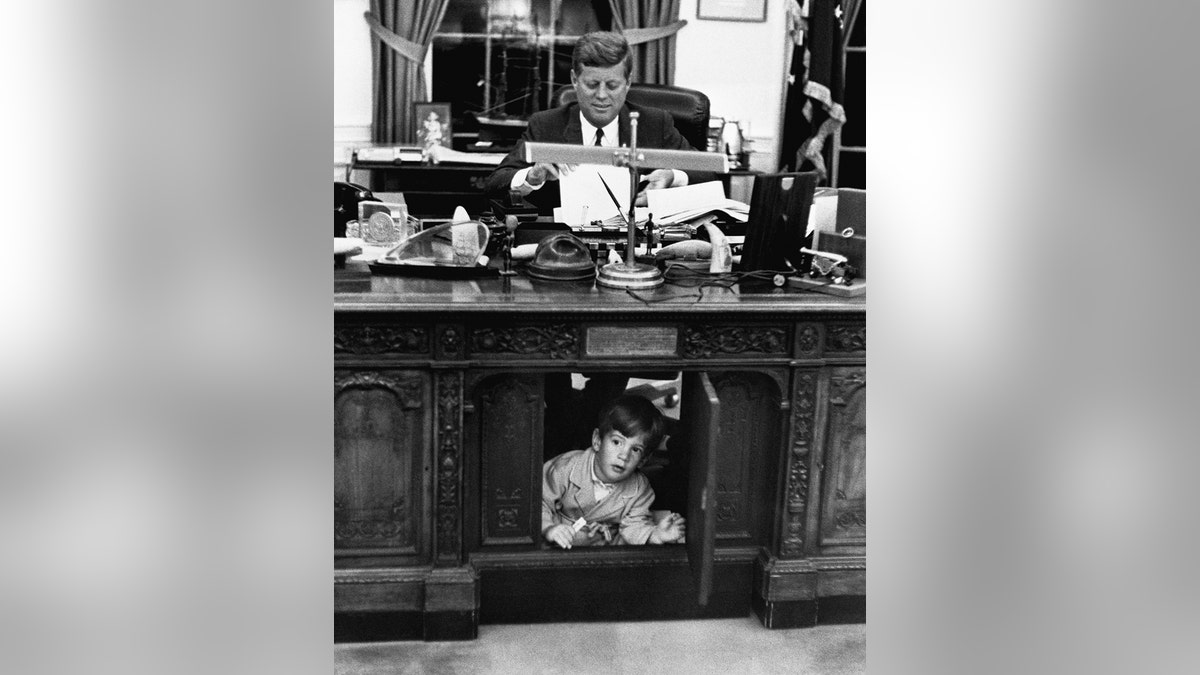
[504,59]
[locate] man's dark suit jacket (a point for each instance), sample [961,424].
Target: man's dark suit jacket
[561,125]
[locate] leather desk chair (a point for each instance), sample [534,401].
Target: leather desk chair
[688,108]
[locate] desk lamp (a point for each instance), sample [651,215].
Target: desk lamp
[629,274]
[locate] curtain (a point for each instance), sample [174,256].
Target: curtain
[403,30]
[650,27]
[814,85]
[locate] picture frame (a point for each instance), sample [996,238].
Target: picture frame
[732,10]
[432,124]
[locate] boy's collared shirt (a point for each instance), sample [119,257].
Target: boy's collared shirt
[599,488]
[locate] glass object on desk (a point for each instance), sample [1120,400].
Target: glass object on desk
[732,142]
[383,223]
[715,126]
[448,245]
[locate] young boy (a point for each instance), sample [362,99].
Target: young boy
[597,496]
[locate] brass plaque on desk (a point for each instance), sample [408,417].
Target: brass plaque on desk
[632,341]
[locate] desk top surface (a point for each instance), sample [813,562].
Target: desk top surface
[356,289]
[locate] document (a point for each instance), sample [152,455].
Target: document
[681,204]
[584,196]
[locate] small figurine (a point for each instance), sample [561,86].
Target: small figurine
[506,244]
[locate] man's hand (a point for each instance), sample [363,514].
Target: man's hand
[658,179]
[540,173]
[561,535]
[669,530]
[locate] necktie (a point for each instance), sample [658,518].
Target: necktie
[599,136]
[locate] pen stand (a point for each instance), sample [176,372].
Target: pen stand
[634,276]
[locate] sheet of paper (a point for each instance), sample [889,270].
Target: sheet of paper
[676,199]
[822,215]
[443,154]
[581,187]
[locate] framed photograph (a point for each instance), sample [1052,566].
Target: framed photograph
[432,124]
[732,10]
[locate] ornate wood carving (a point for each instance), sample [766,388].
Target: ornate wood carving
[850,518]
[450,342]
[804,404]
[727,507]
[380,340]
[707,341]
[808,339]
[747,443]
[556,341]
[845,503]
[846,338]
[381,525]
[449,467]
[407,391]
[846,384]
[378,420]
[510,413]
[506,518]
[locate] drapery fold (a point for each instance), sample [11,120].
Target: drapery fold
[403,31]
[650,27]
[814,85]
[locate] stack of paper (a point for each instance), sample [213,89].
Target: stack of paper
[594,191]
[443,155]
[390,153]
[689,202]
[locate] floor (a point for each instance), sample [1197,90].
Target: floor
[739,646]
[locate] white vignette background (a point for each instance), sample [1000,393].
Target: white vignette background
[165,423]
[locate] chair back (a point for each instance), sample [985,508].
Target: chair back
[688,108]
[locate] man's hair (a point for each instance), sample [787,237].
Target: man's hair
[602,49]
[632,415]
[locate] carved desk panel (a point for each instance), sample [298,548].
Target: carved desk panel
[440,398]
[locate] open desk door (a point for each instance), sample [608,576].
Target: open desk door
[701,410]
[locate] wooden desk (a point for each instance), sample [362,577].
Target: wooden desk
[439,393]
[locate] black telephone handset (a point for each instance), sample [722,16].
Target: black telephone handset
[346,197]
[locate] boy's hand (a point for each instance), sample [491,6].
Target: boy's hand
[561,535]
[597,533]
[669,530]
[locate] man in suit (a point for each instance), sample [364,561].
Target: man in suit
[600,68]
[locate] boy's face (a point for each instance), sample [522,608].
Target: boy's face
[617,455]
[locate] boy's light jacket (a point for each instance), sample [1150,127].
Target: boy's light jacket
[567,494]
